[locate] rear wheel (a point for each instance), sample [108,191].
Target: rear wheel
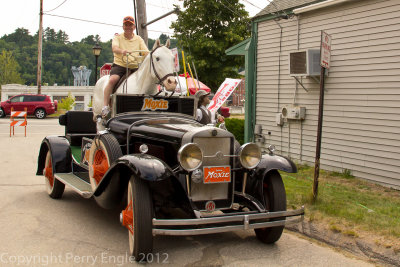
[137,217]
[104,151]
[275,200]
[40,113]
[54,187]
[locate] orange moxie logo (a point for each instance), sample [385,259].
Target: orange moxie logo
[150,103]
[221,174]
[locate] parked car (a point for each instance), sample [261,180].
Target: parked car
[38,105]
[174,175]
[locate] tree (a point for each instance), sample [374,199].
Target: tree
[205,29]
[50,35]
[9,68]
[62,37]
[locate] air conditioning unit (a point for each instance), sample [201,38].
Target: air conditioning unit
[304,63]
[294,112]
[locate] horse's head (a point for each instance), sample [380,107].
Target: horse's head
[162,64]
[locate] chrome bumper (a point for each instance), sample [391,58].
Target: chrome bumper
[243,222]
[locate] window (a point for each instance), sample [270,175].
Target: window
[17,99]
[58,97]
[29,98]
[79,98]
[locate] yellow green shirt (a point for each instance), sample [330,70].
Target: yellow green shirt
[136,43]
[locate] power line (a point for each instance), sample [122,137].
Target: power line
[84,20]
[96,22]
[252,4]
[233,11]
[277,9]
[56,7]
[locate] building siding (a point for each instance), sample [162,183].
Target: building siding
[361,127]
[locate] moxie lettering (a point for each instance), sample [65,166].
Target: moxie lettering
[217,175]
[150,103]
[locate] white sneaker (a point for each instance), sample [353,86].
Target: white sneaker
[105,111]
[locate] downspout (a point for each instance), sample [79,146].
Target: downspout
[279,84]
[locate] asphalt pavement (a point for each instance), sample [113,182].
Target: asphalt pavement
[39,231]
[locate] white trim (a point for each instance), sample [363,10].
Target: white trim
[319,5]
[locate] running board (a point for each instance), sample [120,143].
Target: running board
[76,183]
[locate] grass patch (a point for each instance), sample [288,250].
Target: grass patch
[346,201]
[57,113]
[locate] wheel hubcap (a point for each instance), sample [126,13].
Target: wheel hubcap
[100,165]
[127,217]
[48,173]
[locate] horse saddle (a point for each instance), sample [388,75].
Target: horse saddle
[122,79]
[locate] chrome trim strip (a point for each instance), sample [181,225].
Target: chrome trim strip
[222,229]
[228,218]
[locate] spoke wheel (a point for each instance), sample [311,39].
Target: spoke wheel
[137,218]
[275,200]
[104,151]
[54,187]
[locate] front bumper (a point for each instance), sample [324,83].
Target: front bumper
[226,223]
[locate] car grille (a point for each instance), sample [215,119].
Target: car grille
[211,146]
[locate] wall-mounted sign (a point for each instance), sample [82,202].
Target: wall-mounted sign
[325,60]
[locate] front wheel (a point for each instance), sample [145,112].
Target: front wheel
[137,217]
[54,187]
[2,113]
[40,113]
[275,200]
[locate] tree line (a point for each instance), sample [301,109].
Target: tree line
[19,50]
[204,30]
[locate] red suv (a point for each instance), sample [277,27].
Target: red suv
[38,105]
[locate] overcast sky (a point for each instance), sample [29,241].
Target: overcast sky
[25,14]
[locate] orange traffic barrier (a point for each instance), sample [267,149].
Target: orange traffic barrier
[18,114]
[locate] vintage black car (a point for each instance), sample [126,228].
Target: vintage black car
[176,176]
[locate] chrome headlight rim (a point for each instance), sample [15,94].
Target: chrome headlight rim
[249,149]
[182,153]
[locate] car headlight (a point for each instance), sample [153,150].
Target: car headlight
[249,155]
[190,156]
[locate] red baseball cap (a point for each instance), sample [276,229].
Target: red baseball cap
[129,19]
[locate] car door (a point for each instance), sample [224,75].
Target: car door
[29,103]
[17,103]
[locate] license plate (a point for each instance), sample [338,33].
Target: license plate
[217,174]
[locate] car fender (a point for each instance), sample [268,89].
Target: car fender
[275,162]
[112,187]
[61,157]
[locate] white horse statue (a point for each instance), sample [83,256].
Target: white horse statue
[156,68]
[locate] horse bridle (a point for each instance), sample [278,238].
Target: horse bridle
[160,80]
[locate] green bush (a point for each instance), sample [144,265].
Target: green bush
[236,127]
[67,103]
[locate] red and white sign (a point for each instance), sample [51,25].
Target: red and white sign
[325,59]
[218,174]
[176,61]
[224,91]
[105,69]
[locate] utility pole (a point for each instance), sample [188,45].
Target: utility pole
[141,19]
[40,37]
